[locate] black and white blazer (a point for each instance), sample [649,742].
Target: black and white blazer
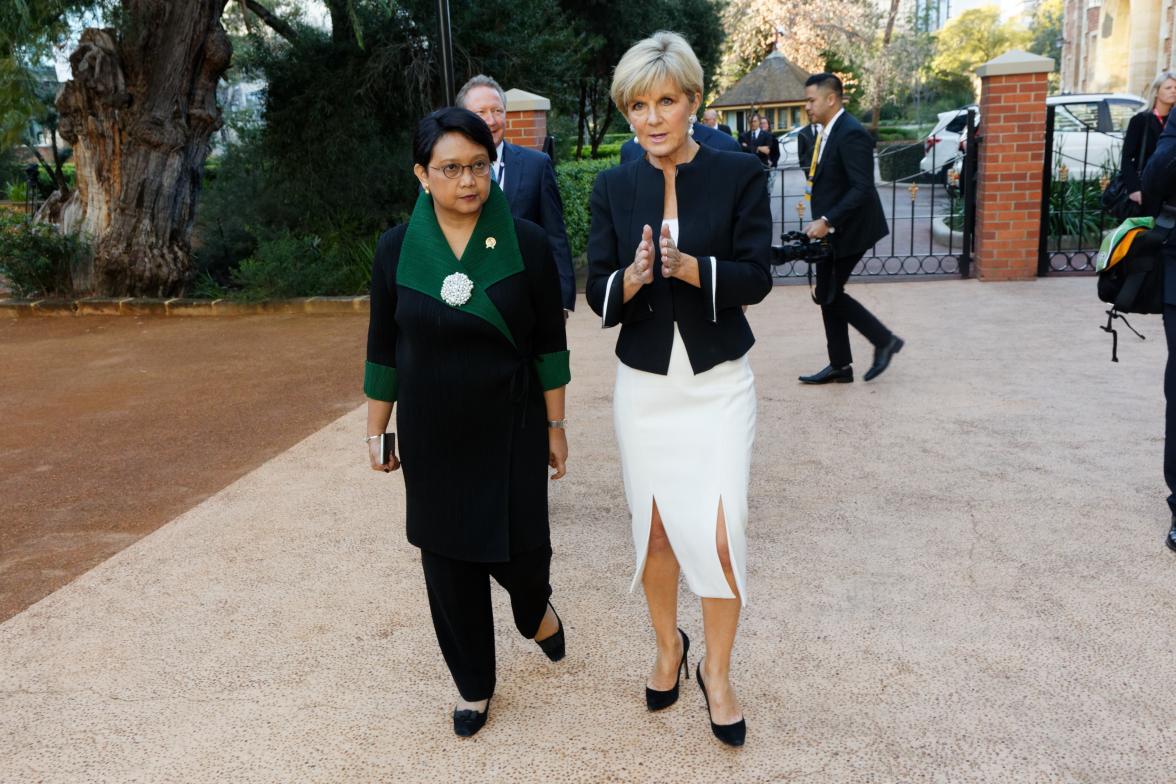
[724,219]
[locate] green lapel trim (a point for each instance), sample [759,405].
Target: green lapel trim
[491,255]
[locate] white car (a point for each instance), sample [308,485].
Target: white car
[942,145]
[1088,133]
[789,156]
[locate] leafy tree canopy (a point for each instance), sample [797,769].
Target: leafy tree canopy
[975,37]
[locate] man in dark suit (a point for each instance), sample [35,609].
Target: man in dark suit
[1159,187]
[766,145]
[708,137]
[849,216]
[806,139]
[526,177]
[710,118]
[747,137]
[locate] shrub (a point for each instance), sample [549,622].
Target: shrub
[1075,210]
[899,160]
[37,259]
[575,180]
[610,150]
[303,266]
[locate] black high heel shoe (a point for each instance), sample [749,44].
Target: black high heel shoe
[467,722]
[554,645]
[656,700]
[731,734]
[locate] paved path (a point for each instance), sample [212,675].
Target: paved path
[956,575]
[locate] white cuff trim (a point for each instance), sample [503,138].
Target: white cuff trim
[607,299]
[714,287]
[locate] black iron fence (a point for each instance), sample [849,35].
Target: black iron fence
[930,214]
[1079,163]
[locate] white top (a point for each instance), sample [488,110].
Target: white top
[673,224]
[828,129]
[499,168]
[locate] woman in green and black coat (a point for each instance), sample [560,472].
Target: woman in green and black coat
[467,336]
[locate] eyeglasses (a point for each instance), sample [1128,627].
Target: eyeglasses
[454,170]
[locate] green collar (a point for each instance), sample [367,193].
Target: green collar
[426,259]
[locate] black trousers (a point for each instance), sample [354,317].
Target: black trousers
[459,599]
[1170,406]
[839,311]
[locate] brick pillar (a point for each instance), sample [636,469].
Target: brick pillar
[526,118]
[1012,155]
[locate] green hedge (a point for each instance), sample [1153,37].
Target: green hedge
[575,180]
[899,160]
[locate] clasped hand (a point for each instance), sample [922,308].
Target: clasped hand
[817,229]
[675,263]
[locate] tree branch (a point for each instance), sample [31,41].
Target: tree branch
[273,21]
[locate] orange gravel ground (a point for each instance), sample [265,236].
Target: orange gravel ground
[110,427]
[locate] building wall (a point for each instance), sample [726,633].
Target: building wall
[1116,45]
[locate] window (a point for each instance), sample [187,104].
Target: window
[1064,121]
[1122,112]
[1084,114]
[958,123]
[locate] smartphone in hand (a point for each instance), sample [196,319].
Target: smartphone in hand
[387,448]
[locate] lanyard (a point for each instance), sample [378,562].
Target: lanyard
[808,187]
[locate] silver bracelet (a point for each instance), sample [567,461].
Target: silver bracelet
[369,439]
[557,424]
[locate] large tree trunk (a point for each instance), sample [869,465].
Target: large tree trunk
[139,113]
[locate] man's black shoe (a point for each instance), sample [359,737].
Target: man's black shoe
[1171,540]
[830,375]
[882,357]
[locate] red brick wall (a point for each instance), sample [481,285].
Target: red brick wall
[1008,198]
[526,129]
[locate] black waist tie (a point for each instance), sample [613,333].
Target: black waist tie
[520,387]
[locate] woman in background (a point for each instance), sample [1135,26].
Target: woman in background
[1143,131]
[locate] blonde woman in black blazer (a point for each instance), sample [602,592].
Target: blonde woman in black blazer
[679,245]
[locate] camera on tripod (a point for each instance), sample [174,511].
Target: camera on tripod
[799,247]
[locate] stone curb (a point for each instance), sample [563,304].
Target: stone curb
[143,306]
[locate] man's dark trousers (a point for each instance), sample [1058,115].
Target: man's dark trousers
[1170,407]
[839,311]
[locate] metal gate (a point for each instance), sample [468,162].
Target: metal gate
[1077,168]
[931,217]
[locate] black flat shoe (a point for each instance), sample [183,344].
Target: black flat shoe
[882,357]
[656,700]
[553,646]
[466,723]
[1171,540]
[731,734]
[830,375]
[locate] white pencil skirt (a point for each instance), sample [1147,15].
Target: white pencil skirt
[685,443]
